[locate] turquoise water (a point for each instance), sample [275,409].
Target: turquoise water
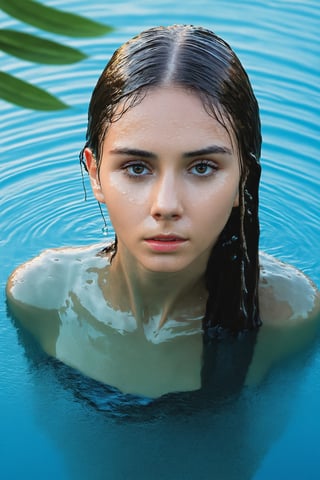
[48,429]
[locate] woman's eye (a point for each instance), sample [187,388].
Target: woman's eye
[203,169]
[136,170]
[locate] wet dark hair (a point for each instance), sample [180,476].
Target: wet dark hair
[196,59]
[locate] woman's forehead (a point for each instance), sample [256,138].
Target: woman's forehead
[168,112]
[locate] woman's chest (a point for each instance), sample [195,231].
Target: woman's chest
[135,360]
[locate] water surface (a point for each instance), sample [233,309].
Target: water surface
[49,428]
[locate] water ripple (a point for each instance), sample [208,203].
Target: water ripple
[41,184]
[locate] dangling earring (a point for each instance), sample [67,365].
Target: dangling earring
[105,226]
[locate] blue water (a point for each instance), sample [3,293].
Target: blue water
[48,429]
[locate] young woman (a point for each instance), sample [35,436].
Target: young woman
[173,148]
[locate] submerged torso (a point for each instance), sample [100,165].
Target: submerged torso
[60,297]
[75,323]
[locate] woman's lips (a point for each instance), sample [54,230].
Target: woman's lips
[165,243]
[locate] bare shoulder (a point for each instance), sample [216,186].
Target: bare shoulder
[286,295]
[38,291]
[290,311]
[44,281]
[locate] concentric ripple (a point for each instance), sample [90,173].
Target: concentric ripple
[41,184]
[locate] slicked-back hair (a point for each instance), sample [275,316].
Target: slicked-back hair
[197,60]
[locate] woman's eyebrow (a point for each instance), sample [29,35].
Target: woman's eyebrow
[135,152]
[209,150]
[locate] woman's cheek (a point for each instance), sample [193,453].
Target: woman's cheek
[127,191]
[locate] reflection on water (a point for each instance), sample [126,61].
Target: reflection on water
[49,422]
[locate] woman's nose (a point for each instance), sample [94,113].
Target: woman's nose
[166,201]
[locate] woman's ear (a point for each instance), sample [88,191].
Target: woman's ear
[93,174]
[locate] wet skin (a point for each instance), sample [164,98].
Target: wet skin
[167,169]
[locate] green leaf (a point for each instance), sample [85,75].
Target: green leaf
[53,20]
[36,49]
[21,93]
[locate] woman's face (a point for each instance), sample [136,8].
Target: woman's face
[169,176]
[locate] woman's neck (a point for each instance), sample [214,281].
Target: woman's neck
[149,294]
